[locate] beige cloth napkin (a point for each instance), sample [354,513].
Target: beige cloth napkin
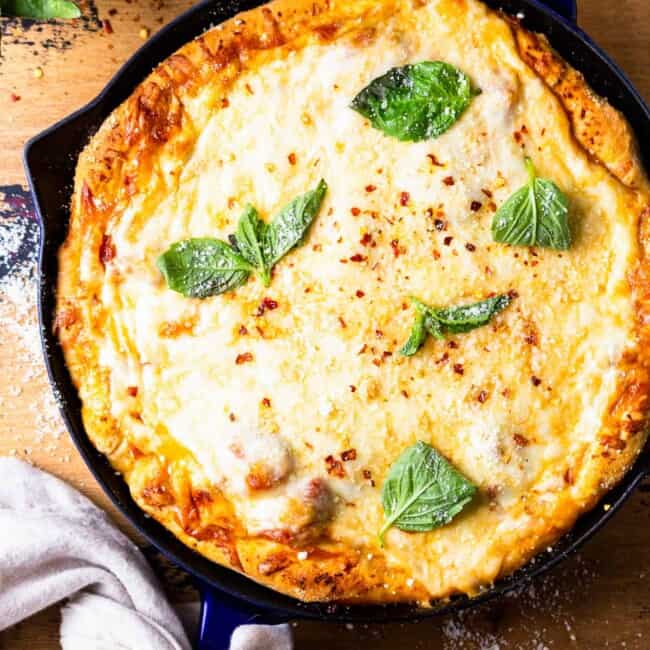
[56,545]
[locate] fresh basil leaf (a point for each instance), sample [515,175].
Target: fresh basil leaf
[417,337]
[43,9]
[464,318]
[450,320]
[248,240]
[535,215]
[416,102]
[203,267]
[423,491]
[289,228]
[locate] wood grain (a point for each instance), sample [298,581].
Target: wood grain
[599,599]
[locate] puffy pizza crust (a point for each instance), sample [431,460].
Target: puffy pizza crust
[138,159]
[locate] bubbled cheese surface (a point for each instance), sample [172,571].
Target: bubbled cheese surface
[511,404]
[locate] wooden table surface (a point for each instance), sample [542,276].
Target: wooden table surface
[598,599]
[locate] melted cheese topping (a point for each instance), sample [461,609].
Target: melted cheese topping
[510,404]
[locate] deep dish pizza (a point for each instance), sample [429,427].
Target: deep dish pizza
[355,296]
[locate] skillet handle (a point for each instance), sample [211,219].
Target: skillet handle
[221,614]
[566,8]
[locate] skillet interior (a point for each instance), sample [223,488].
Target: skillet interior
[50,159]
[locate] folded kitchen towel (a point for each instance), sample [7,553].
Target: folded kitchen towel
[55,545]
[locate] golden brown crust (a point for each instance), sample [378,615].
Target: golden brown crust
[122,160]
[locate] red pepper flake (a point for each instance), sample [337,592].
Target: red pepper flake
[379,334]
[404,199]
[447,240]
[487,193]
[353,388]
[520,441]
[436,255]
[395,246]
[106,25]
[482,397]
[267,304]
[434,160]
[342,322]
[112,12]
[366,240]
[440,225]
[266,402]
[245,357]
[14,97]
[443,359]
[448,180]
[360,294]
[517,137]
[334,467]
[349,454]
[470,247]
[367,474]
[243,330]
[225,102]
[106,250]
[232,417]
[536,380]
[132,391]
[370,188]
[475,206]
[531,338]
[358,257]
[458,368]
[452,344]
[569,478]
[292,158]
[512,294]
[355,212]
[364,347]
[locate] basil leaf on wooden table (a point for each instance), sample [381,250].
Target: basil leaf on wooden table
[423,491]
[417,101]
[535,215]
[204,267]
[199,268]
[43,9]
[450,320]
[289,228]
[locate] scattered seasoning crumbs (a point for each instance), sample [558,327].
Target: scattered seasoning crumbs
[470,247]
[292,158]
[348,455]
[404,199]
[360,294]
[535,380]
[355,212]
[447,240]
[475,206]
[458,368]
[245,357]
[106,25]
[448,180]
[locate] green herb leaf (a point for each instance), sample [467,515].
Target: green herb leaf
[199,268]
[289,228]
[535,215]
[248,240]
[416,102]
[464,318]
[417,337]
[43,9]
[423,491]
[451,320]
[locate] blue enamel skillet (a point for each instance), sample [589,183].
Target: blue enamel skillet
[230,599]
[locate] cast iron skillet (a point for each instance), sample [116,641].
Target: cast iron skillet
[50,158]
